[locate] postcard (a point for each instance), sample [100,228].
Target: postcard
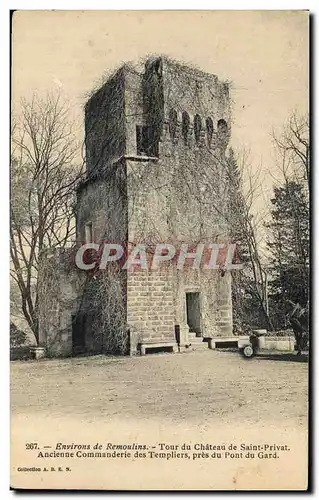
[160,188]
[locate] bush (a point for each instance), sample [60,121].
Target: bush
[18,338]
[280,333]
[20,353]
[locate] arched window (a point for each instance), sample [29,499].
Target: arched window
[222,126]
[172,123]
[209,130]
[185,126]
[158,66]
[197,127]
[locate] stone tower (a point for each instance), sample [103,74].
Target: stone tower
[155,151]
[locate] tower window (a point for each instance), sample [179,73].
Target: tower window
[222,126]
[172,123]
[222,129]
[88,233]
[197,127]
[209,130]
[158,66]
[146,143]
[185,126]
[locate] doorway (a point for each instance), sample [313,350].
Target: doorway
[193,312]
[78,333]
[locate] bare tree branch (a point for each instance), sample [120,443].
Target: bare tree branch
[44,175]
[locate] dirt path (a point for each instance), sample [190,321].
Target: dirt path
[180,400]
[183,387]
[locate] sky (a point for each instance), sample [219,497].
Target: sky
[263,53]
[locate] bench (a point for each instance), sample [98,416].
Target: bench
[158,345]
[215,342]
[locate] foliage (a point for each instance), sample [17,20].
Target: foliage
[249,290]
[289,245]
[18,338]
[289,229]
[43,178]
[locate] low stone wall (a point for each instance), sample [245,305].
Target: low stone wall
[266,342]
[279,343]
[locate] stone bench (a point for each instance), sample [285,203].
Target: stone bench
[266,342]
[221,340]
[143,346]
[279,343]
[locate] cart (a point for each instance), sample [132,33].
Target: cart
[249,345]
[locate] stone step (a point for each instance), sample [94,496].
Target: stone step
[158,345]
[198,346]
[192,335]
[197,341]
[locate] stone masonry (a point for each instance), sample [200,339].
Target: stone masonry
[155,149]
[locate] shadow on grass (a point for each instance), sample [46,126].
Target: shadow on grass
[289,356]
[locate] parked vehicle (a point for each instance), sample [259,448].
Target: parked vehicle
[249,345]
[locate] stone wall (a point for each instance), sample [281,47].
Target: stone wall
[60,291]
[102,201]
[182,196]
[196,92]
[105,124]
[188,184]
[103,304]
[150,306]
[274,343]
[179,197]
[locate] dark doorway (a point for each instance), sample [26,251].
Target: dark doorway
[146,142]
[193,312]
[78,333]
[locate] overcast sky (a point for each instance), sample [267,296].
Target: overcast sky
[263,53]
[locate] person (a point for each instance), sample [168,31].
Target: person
[298,319]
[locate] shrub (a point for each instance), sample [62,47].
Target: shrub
[18,338]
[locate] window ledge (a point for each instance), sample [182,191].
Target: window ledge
[141,158]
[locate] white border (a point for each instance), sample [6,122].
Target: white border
[4,189]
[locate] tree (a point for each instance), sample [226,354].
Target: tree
[43,178]
[289,245]
[289,237]
[249,291]
[293,149]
